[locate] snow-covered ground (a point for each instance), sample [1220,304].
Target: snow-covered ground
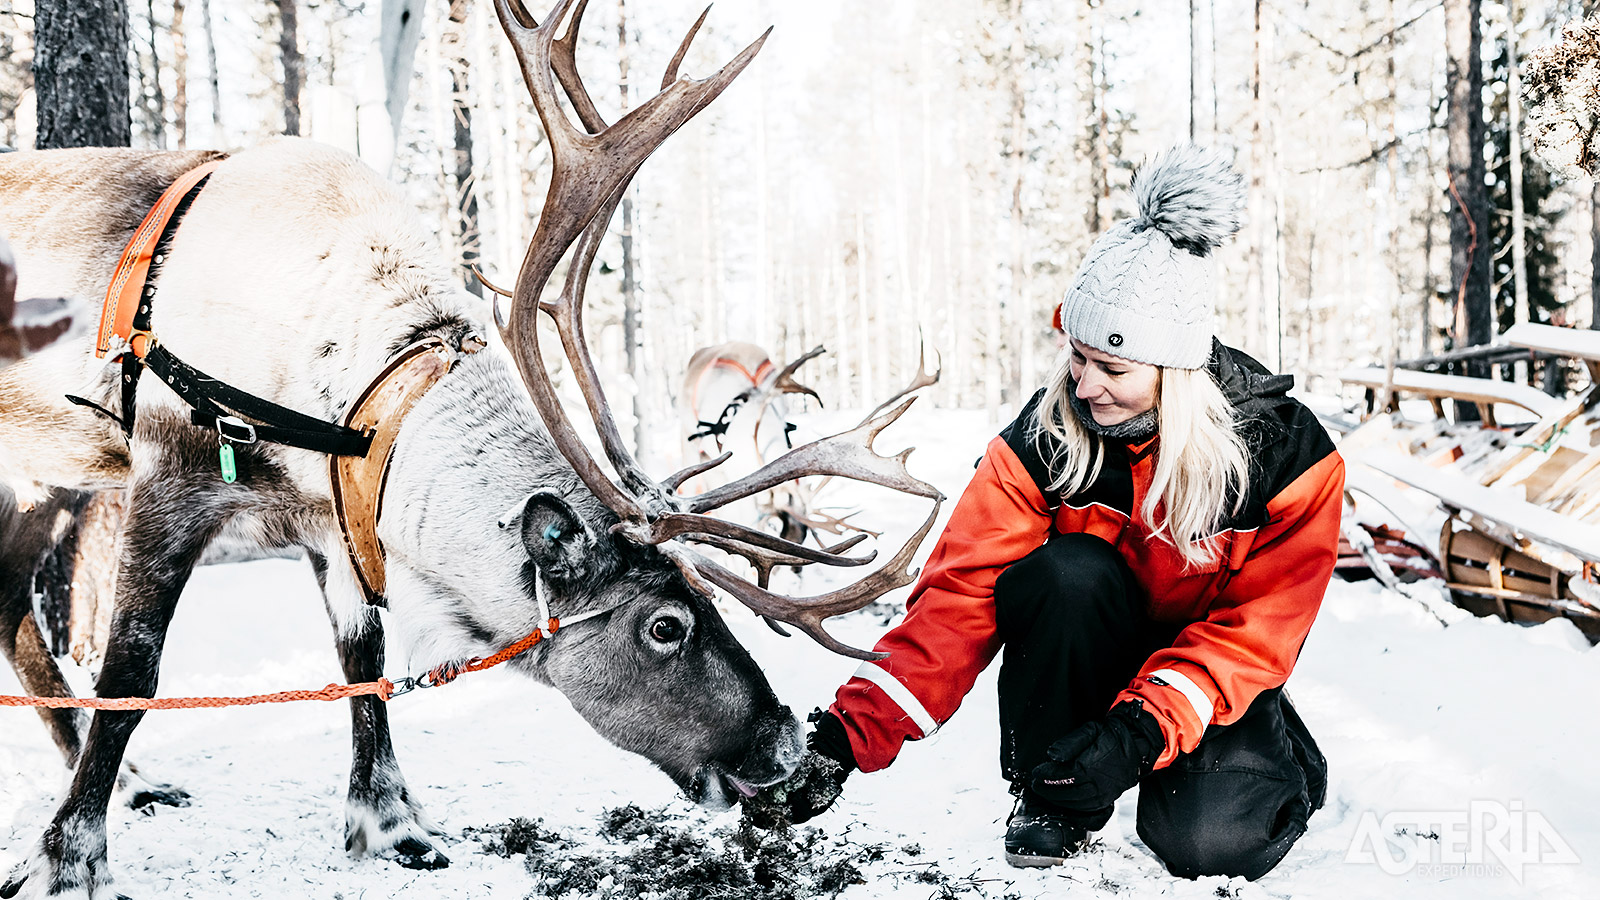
[1481,733]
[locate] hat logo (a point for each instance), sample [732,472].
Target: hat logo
[1114,340]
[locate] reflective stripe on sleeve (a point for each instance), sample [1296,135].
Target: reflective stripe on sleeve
[901,695]
[1203,708]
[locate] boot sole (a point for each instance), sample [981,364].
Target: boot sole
[1031,861]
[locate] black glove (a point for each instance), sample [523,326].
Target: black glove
[815,784]
[1093,765]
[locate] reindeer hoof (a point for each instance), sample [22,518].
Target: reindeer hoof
[414,854]
[43,877]
[146,800]
[142,794]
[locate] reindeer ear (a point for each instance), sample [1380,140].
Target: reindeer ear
[558,540]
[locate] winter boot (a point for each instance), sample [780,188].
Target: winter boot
[1039,835]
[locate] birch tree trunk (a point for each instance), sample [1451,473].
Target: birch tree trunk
[1194,75]
[630,289]
[1425,342]
[180,84]
[294,66]
[1088,90]
[1255,284]
[217,139]
[1519,229]
[1391,293]
[1019,327]
[466,190]
[1594,256]
[80,73]
[157,109]
[1469,217]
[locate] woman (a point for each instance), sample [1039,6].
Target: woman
[1149,541]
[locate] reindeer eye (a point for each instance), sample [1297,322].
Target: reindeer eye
[667,630]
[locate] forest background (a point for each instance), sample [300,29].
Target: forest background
[908,172]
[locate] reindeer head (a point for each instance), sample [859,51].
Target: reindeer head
[523,515]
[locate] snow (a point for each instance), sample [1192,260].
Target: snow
[1419,722]
[1580,343]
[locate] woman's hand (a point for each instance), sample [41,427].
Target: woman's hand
[815,784]
[804,795]
[1096,763]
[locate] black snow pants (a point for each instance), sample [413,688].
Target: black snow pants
[1075,631]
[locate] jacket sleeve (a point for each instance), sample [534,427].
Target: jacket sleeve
[948,636]
[1251,636]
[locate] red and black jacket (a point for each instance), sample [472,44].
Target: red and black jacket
[1243,618]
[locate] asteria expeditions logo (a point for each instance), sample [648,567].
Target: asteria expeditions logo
[1488,839]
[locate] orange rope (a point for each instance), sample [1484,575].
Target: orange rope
[383,688]
[449,671]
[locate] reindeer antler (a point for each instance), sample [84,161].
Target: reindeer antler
[592,169]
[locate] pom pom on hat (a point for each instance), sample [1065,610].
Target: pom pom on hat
[1191,195]
[1146,289]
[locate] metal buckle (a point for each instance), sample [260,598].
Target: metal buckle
[409,683]
[247,434]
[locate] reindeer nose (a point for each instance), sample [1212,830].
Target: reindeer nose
[790,745]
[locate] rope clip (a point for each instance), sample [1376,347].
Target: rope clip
[408,684]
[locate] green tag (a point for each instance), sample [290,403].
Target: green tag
[229,473]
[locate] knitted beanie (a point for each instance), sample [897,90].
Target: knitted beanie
[1146,289]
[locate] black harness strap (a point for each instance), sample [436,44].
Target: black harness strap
[218,406]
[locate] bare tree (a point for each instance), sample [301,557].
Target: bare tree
[211,63]
[1589,9]
[630,285]
[180,85]
[1092,139]
[1262,327]
[80,72]
[155,101]
[1519,231]
[466,190]
[1469,215]
[294,66]
[1018,327]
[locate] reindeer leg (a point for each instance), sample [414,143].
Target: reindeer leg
[25,539]
[381,817]
[173,516]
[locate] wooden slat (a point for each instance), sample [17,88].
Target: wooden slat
[1537,434]
[1578,343]
[1456,387]
[1574,536]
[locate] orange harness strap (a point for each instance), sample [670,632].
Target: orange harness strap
[133,269]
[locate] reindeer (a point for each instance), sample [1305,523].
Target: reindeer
[300,275]
[734,399]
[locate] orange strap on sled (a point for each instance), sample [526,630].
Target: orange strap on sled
[133,269]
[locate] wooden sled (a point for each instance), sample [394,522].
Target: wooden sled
[1489,578]
[1522,534]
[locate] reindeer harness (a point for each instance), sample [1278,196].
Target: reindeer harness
[358,449]
[724,421]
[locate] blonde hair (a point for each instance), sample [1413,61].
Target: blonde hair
[1201,462]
